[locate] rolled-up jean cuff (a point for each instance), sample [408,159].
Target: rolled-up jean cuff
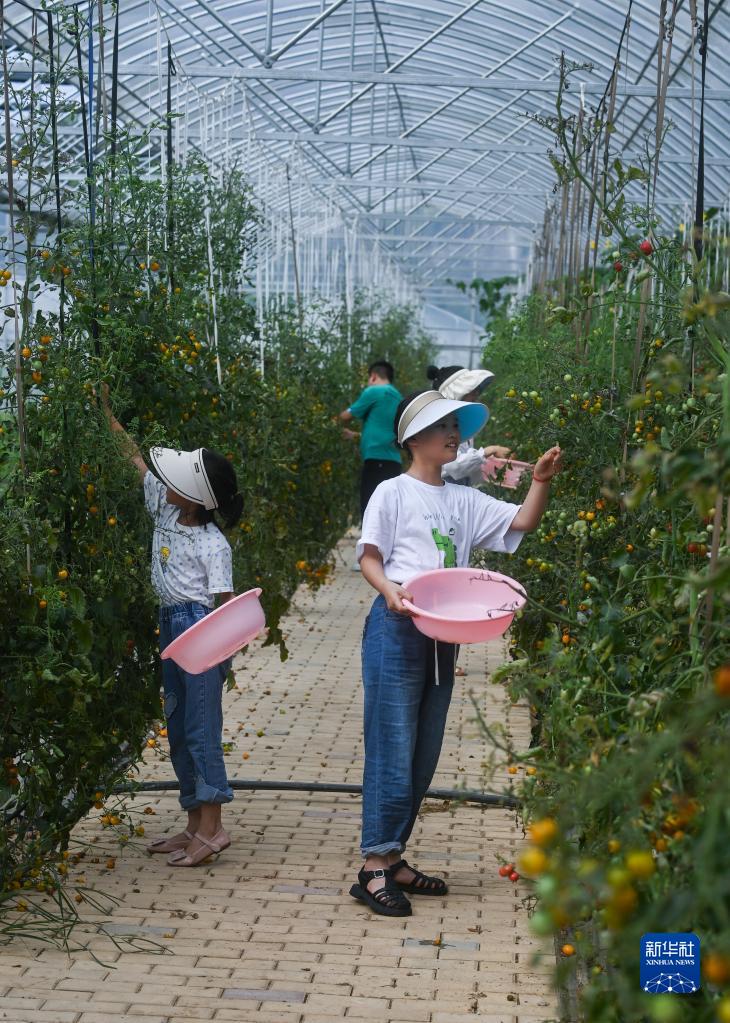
[383,849]
[208,794]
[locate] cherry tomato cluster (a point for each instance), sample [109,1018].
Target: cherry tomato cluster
[508,870]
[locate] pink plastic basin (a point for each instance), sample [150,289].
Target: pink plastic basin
[219,635]
[513,471]
[464,605]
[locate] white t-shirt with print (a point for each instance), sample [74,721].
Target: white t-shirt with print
[189,563]
[418,527]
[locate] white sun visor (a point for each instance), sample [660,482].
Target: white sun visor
[464,381]
[184,472]
[431,407]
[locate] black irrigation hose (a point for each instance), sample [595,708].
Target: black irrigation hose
[482,798]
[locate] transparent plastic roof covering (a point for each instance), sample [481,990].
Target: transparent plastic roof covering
[410,123]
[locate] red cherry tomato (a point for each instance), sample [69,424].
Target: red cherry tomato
[646,247]
[505,871]
[514,876]
[618,266]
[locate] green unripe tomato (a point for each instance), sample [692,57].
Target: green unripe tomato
[546,886]
[540,923]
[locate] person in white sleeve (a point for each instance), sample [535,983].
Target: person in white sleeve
[460,384]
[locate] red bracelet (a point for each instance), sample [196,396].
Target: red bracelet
[538,480]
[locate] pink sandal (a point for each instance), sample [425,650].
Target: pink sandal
[209,847]
[168,845]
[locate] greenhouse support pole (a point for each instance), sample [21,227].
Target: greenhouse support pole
[56,173]
[700,193]
[169,174]
[89,182]
[26,303]
[260,314]
[115,89]
[211,286]
[693,102]
[114,101]
[19,391]
[294,250]
[102,113]
[90,178]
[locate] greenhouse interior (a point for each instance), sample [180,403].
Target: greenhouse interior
[304,304]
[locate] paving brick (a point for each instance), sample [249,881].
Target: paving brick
[37,1016]
[263,995]
[407,1009]
[98,1017]
[20,1001]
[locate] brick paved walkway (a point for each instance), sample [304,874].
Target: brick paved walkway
[268,932]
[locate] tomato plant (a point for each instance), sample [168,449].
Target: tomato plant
[622,651]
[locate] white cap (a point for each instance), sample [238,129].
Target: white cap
[464,381]
[431,407]
[184,472]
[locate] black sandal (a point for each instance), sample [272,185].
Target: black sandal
[390,900]
[421,884]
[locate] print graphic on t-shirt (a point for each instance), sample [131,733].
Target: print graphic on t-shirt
[445,544]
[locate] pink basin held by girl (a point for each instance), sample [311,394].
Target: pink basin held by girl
[513,471]
[219,635]
[464,605]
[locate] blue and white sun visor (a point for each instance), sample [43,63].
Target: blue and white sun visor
[430,408]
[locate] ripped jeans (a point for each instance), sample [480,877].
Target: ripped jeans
[194,714]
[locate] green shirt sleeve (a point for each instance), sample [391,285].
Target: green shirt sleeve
[360,408]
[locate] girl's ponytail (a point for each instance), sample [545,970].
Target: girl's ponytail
[223,480]
[232,510]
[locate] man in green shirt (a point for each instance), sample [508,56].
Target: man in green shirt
[376,407]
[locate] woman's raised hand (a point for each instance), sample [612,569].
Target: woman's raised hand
[549,464]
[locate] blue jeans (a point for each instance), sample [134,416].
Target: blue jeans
[405,718]
[194,713]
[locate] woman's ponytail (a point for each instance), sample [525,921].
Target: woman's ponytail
[438,376]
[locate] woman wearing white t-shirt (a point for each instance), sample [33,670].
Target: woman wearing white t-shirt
[416,523]
[460,384]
